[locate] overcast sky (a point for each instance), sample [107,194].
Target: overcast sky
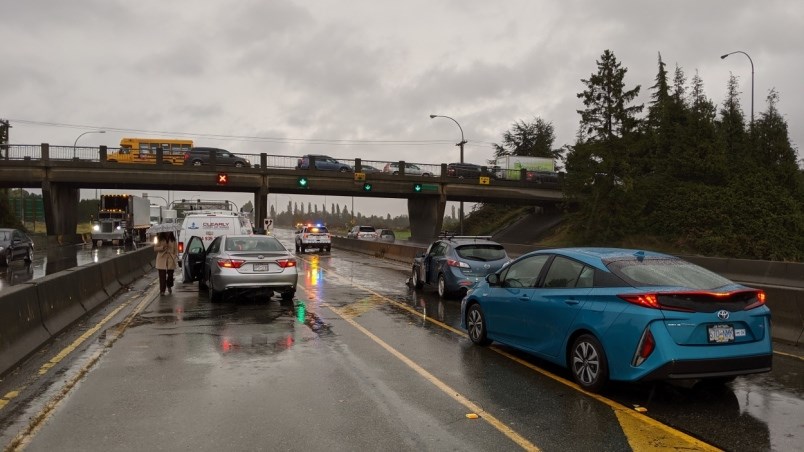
[359,78]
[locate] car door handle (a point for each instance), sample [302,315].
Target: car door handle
[524,297]
[571,301]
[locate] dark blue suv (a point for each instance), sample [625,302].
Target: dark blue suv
[453,264]
[323,162]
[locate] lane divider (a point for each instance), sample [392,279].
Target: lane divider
[657,431]
[446,389]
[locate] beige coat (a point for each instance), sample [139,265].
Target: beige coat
[167,253]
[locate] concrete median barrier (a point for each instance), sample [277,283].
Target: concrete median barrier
[90,285]
[59,300]
[21,327]
[109,277]
[123,269]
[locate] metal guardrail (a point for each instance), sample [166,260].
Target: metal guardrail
[95,154]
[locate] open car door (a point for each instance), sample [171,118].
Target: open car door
[193,259]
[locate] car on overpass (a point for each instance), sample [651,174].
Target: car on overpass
[468,171]
[323,163]
[411,169]
[454,264]
[622,314]
[198,156]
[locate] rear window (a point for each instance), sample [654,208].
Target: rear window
[256,243]
[666,272]
[318,230]
[481,252]
[367,229]
[5,235]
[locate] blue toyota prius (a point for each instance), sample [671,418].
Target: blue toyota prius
[625,315]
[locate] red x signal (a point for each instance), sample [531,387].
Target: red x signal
[223,179]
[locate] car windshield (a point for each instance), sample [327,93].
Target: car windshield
[5,235]
[255,243]
[666,272]
[481,252]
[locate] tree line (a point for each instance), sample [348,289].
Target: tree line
[682,171]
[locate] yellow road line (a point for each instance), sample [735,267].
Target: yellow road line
[471,406]
[37,421]
[80,340]
[619,409]
[789,355]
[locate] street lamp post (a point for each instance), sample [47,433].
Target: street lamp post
[723,57]
[460,213]
[75,143]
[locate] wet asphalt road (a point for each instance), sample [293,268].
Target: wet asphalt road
[358,361]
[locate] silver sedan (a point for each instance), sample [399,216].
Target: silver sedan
[242,263]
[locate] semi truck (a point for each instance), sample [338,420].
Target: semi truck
[537,169]
[121,219]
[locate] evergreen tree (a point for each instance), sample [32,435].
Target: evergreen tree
[533,139]
[599,175]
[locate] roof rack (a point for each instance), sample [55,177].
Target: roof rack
[451,235]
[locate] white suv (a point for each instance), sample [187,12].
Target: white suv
[313,236]
[362,232]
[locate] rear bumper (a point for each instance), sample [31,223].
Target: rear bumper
[254,281]
[709,368]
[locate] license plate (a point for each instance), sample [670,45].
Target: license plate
[260,267]
[721,333]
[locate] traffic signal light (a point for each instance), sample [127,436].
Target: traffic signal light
[223,179]
[302,182]
[367,186]
[417,187]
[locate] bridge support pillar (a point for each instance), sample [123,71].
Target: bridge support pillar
[61,211]
[426,216]
[260,207]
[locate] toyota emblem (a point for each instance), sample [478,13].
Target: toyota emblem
[723,314]
[263,257]
[486,266]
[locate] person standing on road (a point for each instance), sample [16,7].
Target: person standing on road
[166,256]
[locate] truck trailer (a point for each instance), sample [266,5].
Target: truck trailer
[534,169]
[122,219]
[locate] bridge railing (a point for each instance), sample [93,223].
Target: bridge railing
[93,154]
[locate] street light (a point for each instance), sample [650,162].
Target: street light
[723,57]
[79,136]
[461,145]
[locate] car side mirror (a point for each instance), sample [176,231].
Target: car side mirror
[493,279]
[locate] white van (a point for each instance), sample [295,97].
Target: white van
[209,224]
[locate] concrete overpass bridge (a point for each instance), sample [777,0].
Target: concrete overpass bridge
[61,171]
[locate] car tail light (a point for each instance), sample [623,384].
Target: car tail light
[692,301]
[186,156]
[459,264]
[760,300]
[285,263]
[647,300]
[230,263]
[646,346]
[181,247]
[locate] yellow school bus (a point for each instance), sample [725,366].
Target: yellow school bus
[143,150]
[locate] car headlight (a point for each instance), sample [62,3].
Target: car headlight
[1,248]
[96,228]
[118,228]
